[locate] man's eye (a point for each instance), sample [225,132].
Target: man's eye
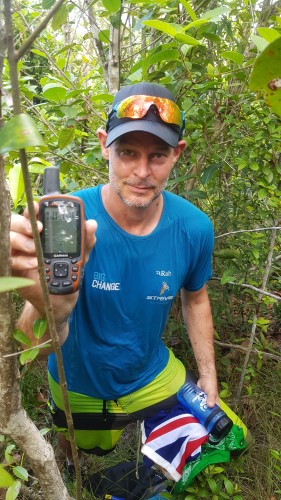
[126,152]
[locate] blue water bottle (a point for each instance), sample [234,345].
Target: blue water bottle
[214,419]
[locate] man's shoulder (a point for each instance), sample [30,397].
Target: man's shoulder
[182,209]
[91,197]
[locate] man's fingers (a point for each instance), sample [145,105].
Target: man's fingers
[91,227]
[22,263]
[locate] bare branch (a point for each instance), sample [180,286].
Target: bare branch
[271,228]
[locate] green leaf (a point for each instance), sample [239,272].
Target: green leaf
[39,53]
[195,24]
[212,485]
[159,2]
[259,42]
[189,9]
[215,14]
[161,26]
[28,356]
[16,184]
[112,5]
[234,56]
[39,327]
[20,132]
[228,275]
[60,17]
[266,75]
[269,34]
[54,92]
[104,36]
[209,172]
[20,472]
[228,486]
[66,136]
[21,337]
[8,454]
[164,55]
[6,479]
[47,4]
[12,283]
[13,491]
[262,193]
[189,40]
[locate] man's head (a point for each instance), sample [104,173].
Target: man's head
[145,107]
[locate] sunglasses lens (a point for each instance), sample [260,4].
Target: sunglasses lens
[137,106]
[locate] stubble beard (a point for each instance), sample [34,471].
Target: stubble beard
[136,202]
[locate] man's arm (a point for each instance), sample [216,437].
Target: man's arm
[199,323]
[24,264]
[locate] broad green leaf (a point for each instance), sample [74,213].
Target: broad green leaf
[8,454]
[228,486]
[262,193]
[9,283]
[16,184]
[215,14]
[266,75]
[158,2]
[189,40]
[20,132]
[47,4]
[69,111]
[39,53]
[66,136]
[6,479]
[60,17]
[54,92]
[104,36]
[39,327]
[228,275]
[28,356]
[195,24]
[20,472]
[234,56]
[102,97]
[164,55]
[189,9]
[269,34]
[112,5]
[161,26]
[209,172]
[13,491]
[21,337]
[259,42]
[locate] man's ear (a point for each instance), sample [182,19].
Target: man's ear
[102,136]
[179,149]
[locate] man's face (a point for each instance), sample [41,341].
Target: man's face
[139,167]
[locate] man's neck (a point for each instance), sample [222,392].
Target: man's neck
[139,221]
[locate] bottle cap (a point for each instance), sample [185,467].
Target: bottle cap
[222,427]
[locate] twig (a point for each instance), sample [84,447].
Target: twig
[253,351]
[28,349]
[249,231]
[245,285]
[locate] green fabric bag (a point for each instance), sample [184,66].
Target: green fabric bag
[214,453]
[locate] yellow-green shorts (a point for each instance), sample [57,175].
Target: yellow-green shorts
[99,424]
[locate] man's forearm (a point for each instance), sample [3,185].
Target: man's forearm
[198,319]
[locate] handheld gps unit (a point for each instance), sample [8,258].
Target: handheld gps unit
[62,237]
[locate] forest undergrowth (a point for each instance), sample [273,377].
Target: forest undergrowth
[256,474]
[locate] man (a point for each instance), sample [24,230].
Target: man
[150,245]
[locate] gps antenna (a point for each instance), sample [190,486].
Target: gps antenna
[51,180]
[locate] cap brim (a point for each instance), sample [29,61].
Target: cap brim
[171,137]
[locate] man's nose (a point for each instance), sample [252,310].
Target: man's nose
[142,168]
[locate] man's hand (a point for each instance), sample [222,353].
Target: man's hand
[25,264]
[209,385]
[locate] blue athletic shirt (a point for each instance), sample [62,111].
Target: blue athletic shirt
[114,346]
